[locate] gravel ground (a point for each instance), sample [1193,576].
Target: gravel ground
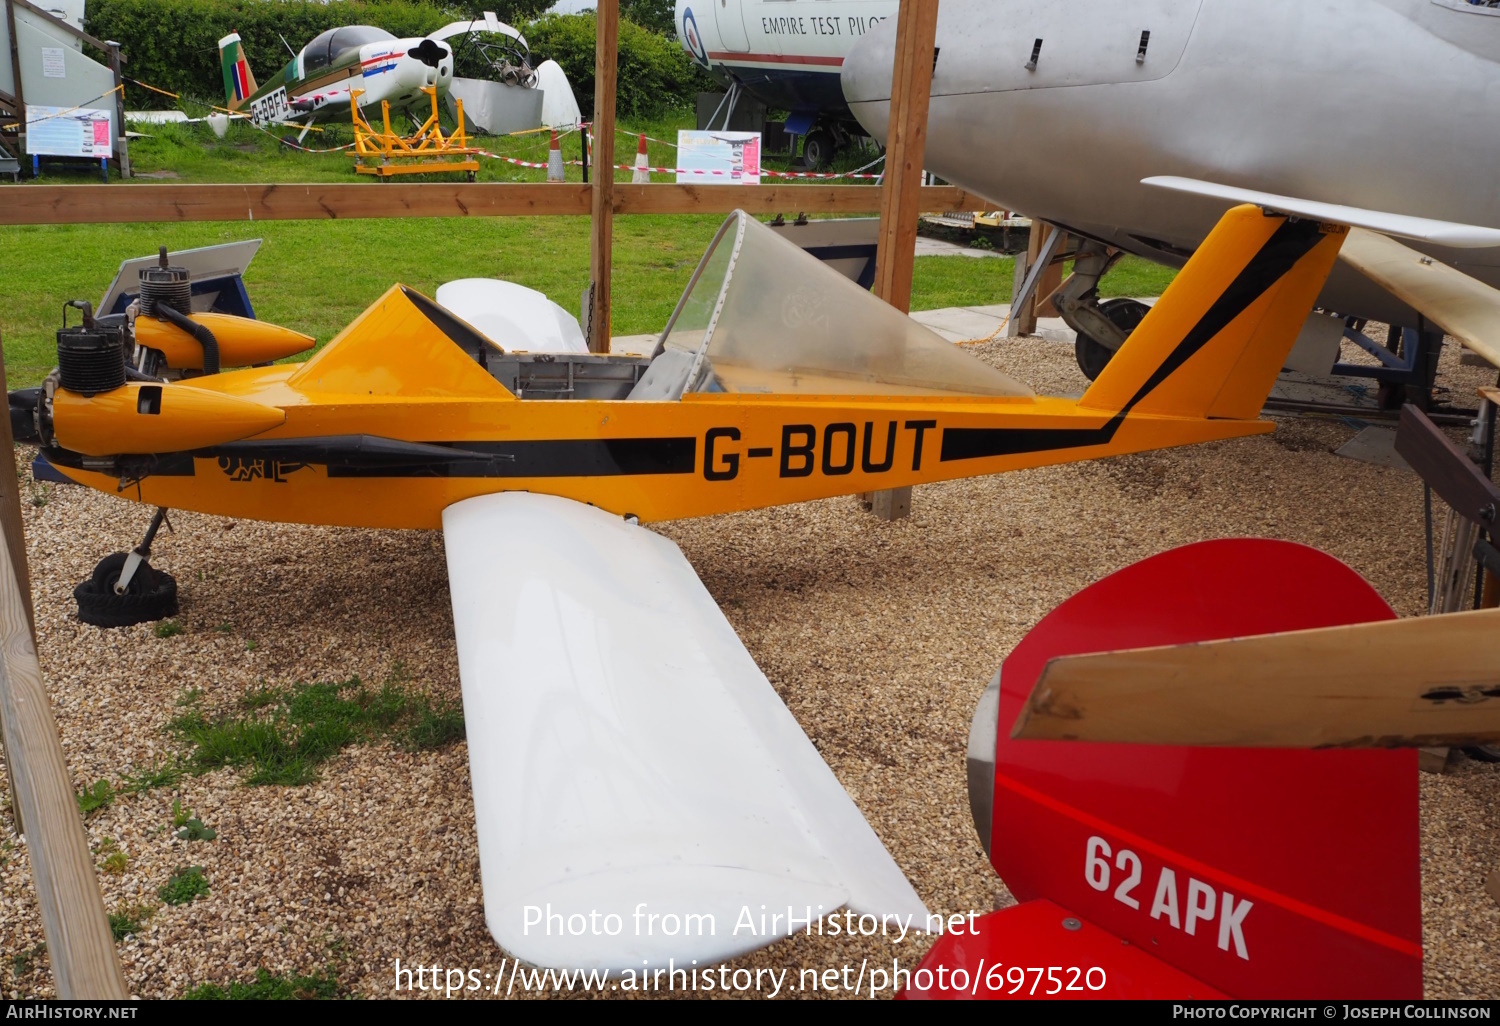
[880,637]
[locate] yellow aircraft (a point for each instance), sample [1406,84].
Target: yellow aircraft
[639,788]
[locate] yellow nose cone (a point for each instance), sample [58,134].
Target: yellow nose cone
[138,419]
[243,342]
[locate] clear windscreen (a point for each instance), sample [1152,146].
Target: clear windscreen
[772,319]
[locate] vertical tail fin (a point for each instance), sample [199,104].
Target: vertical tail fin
[239,81]
[1215,342]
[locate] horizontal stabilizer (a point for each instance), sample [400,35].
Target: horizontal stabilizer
[1464,307]
[639,788]
[1421,229]
[1399,683]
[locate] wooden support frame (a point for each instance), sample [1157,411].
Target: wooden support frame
[601,262]
[109,204]
[15,63]
[906,151]
[79,942]
[901,202]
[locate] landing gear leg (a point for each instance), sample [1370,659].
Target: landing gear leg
[124,589]
[1102,327]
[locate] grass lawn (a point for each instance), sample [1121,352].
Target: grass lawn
[315,276]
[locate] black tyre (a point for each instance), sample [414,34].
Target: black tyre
[152,595]
[1484,753]
[1093,356]
[818,149]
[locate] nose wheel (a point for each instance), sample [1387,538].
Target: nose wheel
[125,589]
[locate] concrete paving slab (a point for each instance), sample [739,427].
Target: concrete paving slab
[939,247]
[1376,446]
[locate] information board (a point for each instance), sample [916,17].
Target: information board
[718,158]
[64,132]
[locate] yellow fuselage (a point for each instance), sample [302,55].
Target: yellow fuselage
[703,455]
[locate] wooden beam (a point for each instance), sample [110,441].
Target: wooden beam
[768,199]
[1417,682]
[901,196]
[110,204]
[1443,466]
[15,61]
[79,944]
[906,151]
[10,508]
[601,263]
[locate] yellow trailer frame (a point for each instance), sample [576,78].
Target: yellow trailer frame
[427,151]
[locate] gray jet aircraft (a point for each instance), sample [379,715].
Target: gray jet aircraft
[1064,110]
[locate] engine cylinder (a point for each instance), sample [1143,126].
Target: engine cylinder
[91,360]
[170,286]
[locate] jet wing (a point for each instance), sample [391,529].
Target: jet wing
[1432,680]
[1420,229]
[1464,307]
[640,791]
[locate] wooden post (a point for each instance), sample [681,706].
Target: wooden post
[10,508]
[906,149]
[15,544]
[122,145]
[606,53]
[900,201]
[79,943]
[15,64]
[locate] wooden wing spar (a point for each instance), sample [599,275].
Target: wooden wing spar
[1401,683]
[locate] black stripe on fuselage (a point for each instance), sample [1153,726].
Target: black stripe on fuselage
[615,457]
[1289,244]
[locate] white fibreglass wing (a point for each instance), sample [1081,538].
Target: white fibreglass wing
[628,758]
[770,318]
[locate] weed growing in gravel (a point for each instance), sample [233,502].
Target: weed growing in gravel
[115,860]
[129,920]
[168,629]
[269,988]
[187,884]
[281,736]
[41,493]
[25,962]
[92,799]
[224,628]
[193,829]
[161,774]
[434,727]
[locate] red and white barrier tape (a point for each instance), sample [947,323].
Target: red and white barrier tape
[765,172]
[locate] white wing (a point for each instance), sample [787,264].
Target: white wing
[1404,226]
[629,759]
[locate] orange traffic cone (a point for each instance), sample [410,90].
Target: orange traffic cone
[642,162]
[555,162]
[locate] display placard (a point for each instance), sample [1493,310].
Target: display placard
[65,132]
[718,158]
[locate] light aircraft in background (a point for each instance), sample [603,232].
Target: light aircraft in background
[625,751]
[1079,113]
[315,84]
[787,54]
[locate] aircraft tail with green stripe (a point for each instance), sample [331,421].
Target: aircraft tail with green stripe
[239,80]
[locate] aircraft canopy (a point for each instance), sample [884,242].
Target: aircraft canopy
[761,315]
[325,48]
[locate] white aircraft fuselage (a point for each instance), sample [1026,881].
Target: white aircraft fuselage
[786,53]
[1390,105]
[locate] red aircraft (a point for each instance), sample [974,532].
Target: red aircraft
[1150,871]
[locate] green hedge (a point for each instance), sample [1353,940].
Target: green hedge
[173,44]
[656,74]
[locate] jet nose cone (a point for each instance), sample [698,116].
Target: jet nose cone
[430,52]
[867,77]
